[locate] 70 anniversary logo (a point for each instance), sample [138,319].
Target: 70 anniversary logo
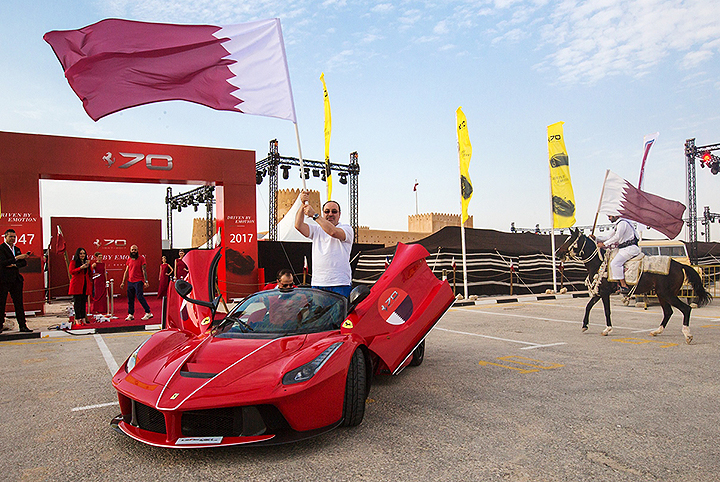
[158,162]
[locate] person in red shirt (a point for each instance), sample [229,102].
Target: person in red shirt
[284,280]
[136,276]
[80,284]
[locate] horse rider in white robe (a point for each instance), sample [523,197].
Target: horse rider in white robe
[625,238]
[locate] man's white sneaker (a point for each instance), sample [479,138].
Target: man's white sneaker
[147,316]
[130,318]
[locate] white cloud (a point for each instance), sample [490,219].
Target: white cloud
[441,28]
[370,37]
[410,18]
[382,8]
[342,60]
[598,38]
[579,40]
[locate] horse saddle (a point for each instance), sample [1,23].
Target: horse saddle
[641,264]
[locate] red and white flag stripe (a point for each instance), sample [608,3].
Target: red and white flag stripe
[620,198]
[115,64]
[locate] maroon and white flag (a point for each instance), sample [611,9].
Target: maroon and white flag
[648,142]
[58,241]
[620,198]
[115,64]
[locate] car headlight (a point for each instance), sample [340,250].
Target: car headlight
[308,370]
[132,359]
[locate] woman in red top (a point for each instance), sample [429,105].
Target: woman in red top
[80,284]
[165,275]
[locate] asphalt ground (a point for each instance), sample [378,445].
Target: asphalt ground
[511,391]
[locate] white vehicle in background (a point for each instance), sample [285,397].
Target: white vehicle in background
[665,247]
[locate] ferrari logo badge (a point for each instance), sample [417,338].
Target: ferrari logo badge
[174,396]
[347,324]
[205,321]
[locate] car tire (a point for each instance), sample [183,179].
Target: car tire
[355,391]
[418,355]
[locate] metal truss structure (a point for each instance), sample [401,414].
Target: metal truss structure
[195,197]
[708,218]
[538,230]
[274,162]
[705,153]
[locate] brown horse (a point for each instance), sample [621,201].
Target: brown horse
[581,248]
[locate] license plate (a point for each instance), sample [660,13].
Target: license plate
[198,440]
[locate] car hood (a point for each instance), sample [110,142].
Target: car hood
[198,367]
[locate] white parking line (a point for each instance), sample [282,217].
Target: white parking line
[542,346]
[531,344]
[112,366]
[542,319]
[109,360]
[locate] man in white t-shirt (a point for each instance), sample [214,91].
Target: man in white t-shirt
[331,245]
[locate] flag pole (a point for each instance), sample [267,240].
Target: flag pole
[552,232]
[462,235]
[416,197]
[602,193]
[462,229]
[302,164]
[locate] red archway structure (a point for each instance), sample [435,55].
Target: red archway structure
[27,158]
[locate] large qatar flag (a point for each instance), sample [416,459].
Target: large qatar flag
[115,64]
[620,198]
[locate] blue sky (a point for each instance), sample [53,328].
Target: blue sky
[612,70]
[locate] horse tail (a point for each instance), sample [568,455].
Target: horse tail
[696,281]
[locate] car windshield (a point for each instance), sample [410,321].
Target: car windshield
[275,312]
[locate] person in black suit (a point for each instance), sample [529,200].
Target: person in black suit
[11,281]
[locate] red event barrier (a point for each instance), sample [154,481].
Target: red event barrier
[26,158]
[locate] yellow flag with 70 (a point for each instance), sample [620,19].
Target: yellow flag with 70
[563,198]
[464,154]
[328,129]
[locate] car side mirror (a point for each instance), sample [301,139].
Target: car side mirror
[357,294]
[184,288]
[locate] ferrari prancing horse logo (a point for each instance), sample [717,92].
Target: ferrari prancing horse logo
[395,306]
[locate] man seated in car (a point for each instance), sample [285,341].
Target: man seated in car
[284,280]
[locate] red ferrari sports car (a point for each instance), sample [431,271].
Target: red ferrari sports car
[282,365]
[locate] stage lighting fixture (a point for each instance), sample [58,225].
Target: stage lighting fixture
[715,168]
[343,178]
[316,172]
[307,173]
[286,172]
[706,159]
[258,177]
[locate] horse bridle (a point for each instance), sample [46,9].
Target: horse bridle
[571,250]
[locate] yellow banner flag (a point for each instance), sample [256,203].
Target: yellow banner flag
[328,129]
[563,199]
[464,153]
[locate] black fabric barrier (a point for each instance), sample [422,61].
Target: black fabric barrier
[276,255]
